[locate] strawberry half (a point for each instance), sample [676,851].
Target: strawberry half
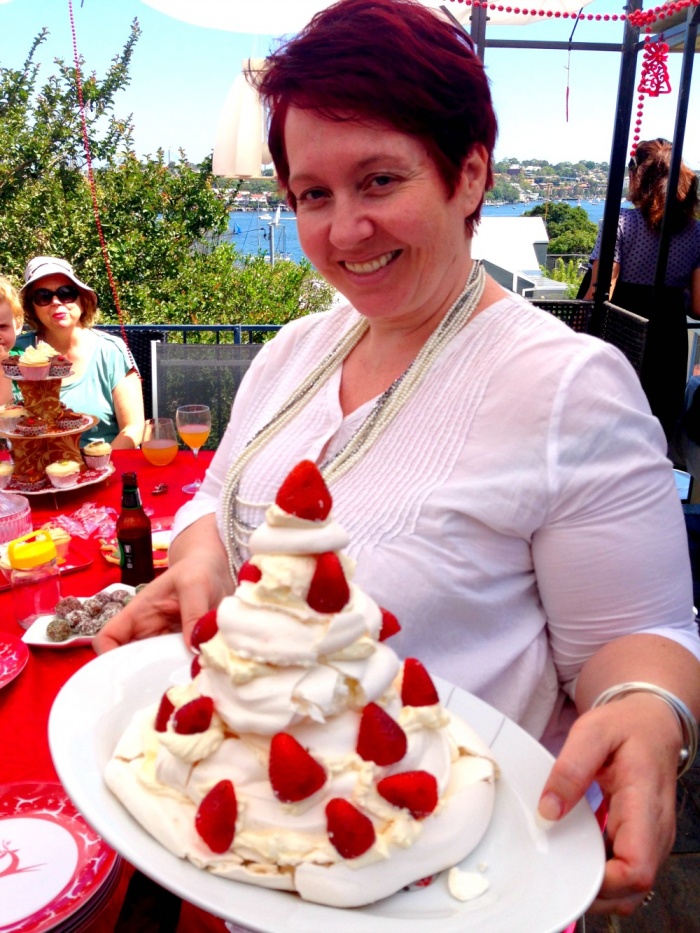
[204,629]
[194,716]
[304,493]
[294,774]
[329,590]
[416,791]
[165,711]
[215,820]
[390,625]
[249,572]
[349,831]
[417,687]
[380,738]
[195,666]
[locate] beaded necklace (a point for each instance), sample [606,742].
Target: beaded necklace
[381,415]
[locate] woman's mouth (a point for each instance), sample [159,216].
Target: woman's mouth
[371,265]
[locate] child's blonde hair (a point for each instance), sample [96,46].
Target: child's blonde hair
[10,294]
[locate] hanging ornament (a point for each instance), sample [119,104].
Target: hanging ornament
[655,79]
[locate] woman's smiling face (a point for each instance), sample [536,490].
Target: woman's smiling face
[374,216]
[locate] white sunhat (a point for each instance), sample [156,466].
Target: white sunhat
[41,266]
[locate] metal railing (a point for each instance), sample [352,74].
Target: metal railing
[192,333]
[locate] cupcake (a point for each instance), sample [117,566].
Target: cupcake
[29,482]
[63,473]
[69,420]
[34,364]
[97,454]
[6,470]
[9,416]
[61,540]
[59,366]
[28,426]
[10,366]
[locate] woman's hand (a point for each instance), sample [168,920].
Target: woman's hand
[127,397]
[631,748]
[197,581]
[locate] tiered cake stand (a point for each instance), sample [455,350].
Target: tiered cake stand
[32,455]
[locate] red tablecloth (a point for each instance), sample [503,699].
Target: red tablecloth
[26,701]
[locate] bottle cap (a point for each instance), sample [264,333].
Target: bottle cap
[129,480]
[31,550]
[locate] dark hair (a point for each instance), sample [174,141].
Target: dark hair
[389,61]
[652,161]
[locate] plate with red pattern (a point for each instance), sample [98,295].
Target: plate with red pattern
[13,657]
[51,863]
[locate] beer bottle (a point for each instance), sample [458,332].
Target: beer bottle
[134,535]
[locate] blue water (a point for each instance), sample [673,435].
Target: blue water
[254,233]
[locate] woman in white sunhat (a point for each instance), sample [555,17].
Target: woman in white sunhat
[104,381]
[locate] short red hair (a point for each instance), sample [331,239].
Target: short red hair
[389,61]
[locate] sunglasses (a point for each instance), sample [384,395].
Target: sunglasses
[44,296]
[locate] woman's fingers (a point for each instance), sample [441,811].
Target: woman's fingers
[630,749]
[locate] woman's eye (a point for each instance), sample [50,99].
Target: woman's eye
[312,194]
[381,181]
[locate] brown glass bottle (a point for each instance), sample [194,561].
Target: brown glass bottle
[134,535]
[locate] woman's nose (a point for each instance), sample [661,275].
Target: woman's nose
[350,224]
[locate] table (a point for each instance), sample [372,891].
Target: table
[25,703]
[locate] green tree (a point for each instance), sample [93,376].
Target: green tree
[164,224]
[568,228]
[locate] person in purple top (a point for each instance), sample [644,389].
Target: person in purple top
[638,231]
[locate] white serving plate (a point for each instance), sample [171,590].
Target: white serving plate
[537,880]
[36,633]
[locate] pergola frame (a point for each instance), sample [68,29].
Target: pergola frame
[683,34]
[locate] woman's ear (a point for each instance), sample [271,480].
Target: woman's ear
[472,185]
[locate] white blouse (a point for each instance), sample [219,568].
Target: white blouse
[517,514]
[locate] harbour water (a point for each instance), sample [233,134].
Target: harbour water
[250,233]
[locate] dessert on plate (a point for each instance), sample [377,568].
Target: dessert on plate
[97,454]
[63,473]
[303,755]
[34,364]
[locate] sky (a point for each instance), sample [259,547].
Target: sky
[181,74]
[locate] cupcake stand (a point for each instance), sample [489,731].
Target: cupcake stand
[32,454]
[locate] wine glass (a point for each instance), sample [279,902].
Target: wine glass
[194,424]
[159,444]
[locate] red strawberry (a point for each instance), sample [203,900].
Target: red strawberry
[390,625]
[350,832]
[204,629]
[294,774]
[195,667]
[194,716]
[304,493]
[416,791]
[380,738]
[329,590]
[249,572]
[165,711]
[215,820]
[417,688]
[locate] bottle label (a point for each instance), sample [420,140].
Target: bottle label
[136,561]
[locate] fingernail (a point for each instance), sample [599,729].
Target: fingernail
[549,810]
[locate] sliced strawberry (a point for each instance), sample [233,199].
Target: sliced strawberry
[380,738]
[249,572]
[204,629]
[165,711]
[390,625]
[304,493]
[417,687]
[350,832]
[195,666]
[194,716]
[215,820]
[329,590]
[416,791]
[294,774]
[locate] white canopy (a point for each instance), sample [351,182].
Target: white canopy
[280,17]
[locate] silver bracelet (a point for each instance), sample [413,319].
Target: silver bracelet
[686,720]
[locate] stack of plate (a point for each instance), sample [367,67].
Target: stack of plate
[55,872]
